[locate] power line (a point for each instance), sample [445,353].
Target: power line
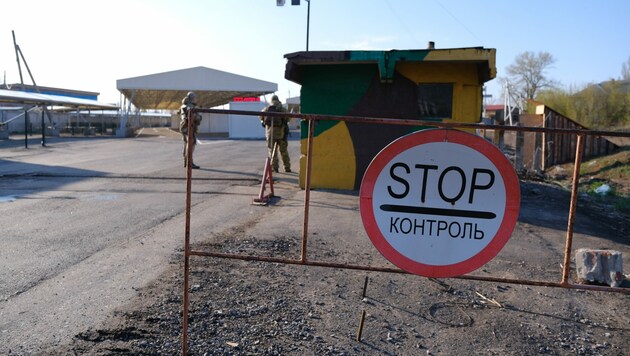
[400,21]
[458,21]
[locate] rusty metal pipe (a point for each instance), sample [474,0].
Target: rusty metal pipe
[289,261]
[545,284]
[566,269]
[186,302]
[360,331]
[307,187]
[413,122]
[399,271]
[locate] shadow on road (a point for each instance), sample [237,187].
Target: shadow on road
[548,206]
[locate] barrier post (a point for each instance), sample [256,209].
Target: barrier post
[574,192]
[263,199]
[189,160]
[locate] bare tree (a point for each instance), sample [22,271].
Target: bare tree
[527,73]
[625,70]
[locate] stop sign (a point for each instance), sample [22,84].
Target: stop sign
[439,203]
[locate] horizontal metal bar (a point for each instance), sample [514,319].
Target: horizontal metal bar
[126,177]
[410,122]
[396,270]
[295,262]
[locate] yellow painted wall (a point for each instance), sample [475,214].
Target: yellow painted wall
[463,76]
[333,157]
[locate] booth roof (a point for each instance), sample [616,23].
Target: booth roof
[386,61]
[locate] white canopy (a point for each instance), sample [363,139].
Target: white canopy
[165,91]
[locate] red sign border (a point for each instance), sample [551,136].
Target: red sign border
[510,216]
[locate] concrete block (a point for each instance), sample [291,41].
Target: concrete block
[599,266]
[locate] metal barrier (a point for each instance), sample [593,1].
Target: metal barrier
[312,119]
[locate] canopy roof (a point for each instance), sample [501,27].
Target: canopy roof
[165,91]
[22,97]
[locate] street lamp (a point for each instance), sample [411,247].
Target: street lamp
[308,15]
[308,20]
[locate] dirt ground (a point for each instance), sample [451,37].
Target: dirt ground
[250,308]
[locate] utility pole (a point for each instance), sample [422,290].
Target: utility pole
[17,58]
[18,55]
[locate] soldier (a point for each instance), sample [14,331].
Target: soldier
[276,131]
[190,101]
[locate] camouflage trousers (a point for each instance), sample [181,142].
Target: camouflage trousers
[279,138]
[193,143]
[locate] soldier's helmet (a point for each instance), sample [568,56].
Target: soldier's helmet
[190,98]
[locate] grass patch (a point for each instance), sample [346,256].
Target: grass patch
[612,170]
[616,165]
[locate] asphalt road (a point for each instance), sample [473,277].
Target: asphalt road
[85,222]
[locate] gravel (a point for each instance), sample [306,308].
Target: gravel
[263,308]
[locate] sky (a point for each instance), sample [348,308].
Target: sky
[88,45]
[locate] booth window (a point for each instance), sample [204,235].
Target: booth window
[435,101]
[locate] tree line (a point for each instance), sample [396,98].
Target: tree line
[599,106]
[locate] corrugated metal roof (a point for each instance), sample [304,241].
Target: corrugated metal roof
[73,93]
[21,97]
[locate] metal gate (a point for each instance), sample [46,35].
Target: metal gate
[563,282]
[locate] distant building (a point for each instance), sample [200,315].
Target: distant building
[539,151]
[491,110]
[67,110]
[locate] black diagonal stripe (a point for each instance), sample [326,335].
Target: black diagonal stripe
[438,211]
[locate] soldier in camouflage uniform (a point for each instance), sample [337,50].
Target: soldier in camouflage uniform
[277,131]
[190,101]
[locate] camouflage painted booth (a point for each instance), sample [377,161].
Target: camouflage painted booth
[431,84]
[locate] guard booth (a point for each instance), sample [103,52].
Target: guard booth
[430,84]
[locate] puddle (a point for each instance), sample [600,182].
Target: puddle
[90,197]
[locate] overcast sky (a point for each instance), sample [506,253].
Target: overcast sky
[87,45]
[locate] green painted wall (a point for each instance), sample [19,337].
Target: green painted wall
[383,85]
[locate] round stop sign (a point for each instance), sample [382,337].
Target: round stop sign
[439,203]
